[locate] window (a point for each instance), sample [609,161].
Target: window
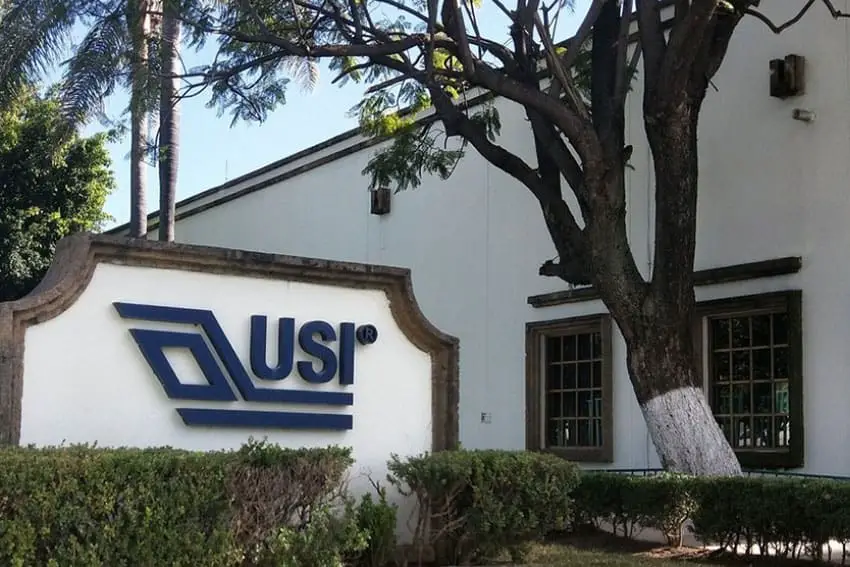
[752,358]
[569,388]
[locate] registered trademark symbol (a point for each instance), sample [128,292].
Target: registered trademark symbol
[367,334]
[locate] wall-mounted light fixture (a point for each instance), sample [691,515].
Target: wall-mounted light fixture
[803,115]
[787,76]
[381,197]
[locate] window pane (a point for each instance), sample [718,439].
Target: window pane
[763,432]
[596,432]
[741,365]
[722,399]
[720,370]
[780,363]
[597,345]
[740,332]
[583,433]
[719,333]
[584,404]
[584,369]
[597,374]
[553,349]
[553,405]
[554,380]
[570,376]
[763,397]
[569,348]
[584,346]
[780,329]
[741,398]
[554,433]
[782,431]
[761,330]
[597,403]
[570,404]
[741,432]
[570,433]
[761,364]
[780,397]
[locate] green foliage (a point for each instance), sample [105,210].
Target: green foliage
[52,183]
[81,506]
[782,516]
[377,522]
[326,540]
[628,502]
[485,502]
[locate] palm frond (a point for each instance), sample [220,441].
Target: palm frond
[94,69]
[33,34]
[303,70]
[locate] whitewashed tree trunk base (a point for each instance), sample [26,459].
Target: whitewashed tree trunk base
[686,435]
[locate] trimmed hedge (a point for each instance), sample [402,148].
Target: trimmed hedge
[483,503]
[628,502]
[81,506]
[782,516]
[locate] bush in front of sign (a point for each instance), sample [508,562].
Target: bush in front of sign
[483,503]
[81,506]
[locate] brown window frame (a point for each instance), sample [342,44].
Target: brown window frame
[536,333]
[749,305]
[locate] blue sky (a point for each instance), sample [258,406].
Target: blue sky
[212,151]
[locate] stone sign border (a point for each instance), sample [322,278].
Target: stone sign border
[78,255]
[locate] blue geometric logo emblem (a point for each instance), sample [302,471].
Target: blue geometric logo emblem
[227,379]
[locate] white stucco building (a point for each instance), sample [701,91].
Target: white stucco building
[773,240]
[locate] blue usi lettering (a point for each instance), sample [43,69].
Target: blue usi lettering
[285,348]
[309,344]
[346,353]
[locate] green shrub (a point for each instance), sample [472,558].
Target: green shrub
[326,541]
[81,506]
[787,516]
[628,502]
[480,503]
[377,521]
[782,516]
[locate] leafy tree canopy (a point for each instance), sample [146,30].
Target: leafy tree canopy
[52,182]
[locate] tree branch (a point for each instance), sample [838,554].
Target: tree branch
[686,37]
[572,248]
[779,28]
[559,71]
[653,44]
[574,45]
[622,73]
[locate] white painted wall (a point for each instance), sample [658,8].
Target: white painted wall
[770,187]
[86,381]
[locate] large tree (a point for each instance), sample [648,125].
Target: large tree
[52,182]
[574,94]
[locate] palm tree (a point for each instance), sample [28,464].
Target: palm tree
[131,43]
[33,36]
[169,120]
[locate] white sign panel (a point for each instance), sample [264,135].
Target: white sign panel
[135,343]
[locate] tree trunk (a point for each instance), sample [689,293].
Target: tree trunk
[678,417]
[169,122]
[138,201]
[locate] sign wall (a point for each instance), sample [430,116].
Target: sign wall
[137,343]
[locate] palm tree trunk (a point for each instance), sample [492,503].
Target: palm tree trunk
[169,121]
[138,185]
